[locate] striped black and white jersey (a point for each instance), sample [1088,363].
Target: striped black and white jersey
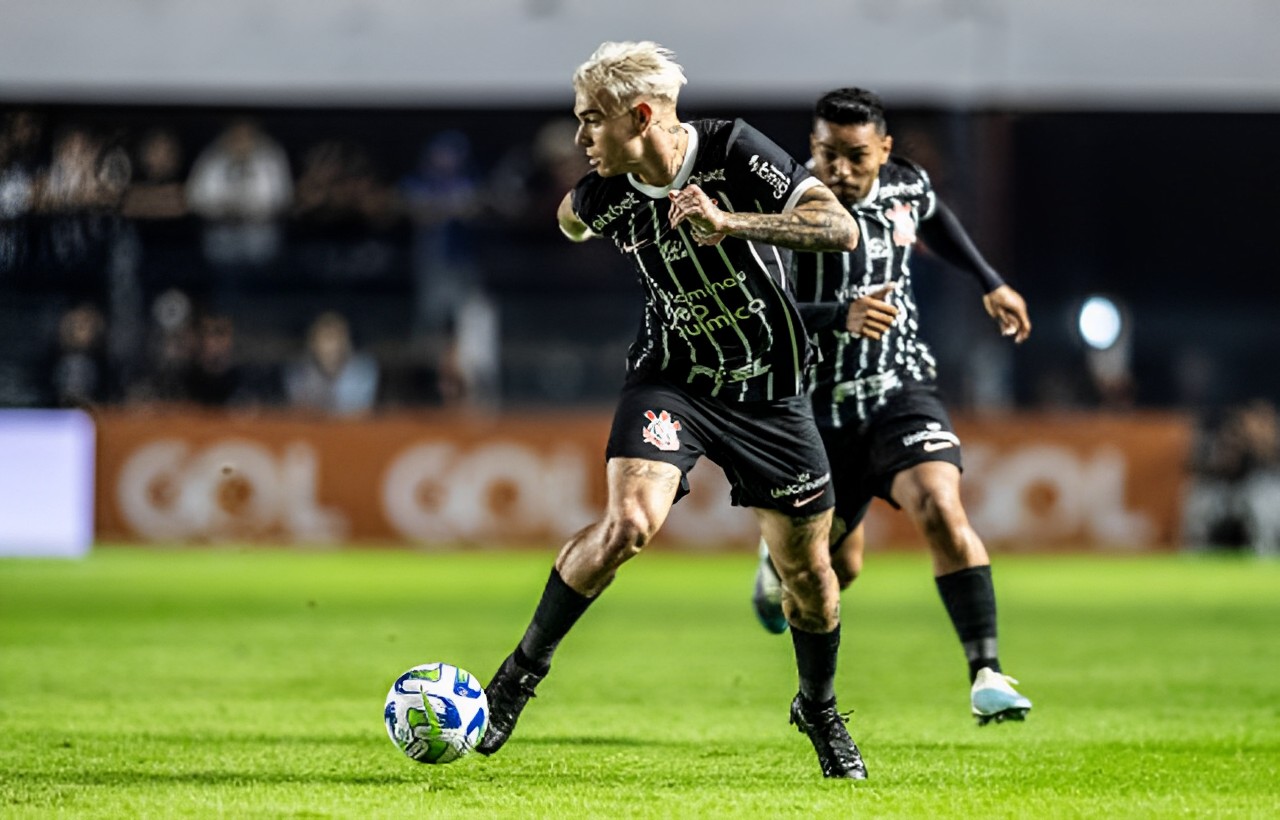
[853,376]
[718,320]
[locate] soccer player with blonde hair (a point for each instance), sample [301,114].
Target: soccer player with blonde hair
[703,210]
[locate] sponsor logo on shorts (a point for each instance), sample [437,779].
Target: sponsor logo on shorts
[932,438]
[661,430]
[804,483]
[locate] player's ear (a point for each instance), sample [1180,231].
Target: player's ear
[888,143]
[642,116]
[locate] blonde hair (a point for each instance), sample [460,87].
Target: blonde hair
[620,74]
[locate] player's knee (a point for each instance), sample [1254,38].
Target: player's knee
[937,510]
[625,536]
[817,600]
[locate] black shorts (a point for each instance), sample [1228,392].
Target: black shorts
[770,451]
[911,428]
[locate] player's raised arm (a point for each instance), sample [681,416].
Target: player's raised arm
[817,222]
[947,238]
[570,225]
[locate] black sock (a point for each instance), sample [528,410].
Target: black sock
[558,610]
[970,599]
[816,655]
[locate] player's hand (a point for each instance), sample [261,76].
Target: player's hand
[1009,310]
[706,221]
[872,315]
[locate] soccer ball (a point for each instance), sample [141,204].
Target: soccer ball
[436,713]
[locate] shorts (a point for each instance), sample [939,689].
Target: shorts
[911,428]
[770,450]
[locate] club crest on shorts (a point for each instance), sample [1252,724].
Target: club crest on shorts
[661,430]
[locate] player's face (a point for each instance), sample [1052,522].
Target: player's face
[847,158]
[611,141]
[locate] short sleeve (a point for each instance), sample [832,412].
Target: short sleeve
[774,180]
[583,198]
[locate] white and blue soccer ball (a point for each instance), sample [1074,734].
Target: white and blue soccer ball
[436,713]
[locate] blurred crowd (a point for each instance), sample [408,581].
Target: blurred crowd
[408,259]
[1233,497]
[241,272]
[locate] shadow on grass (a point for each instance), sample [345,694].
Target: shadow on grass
[262,740]
[425,776]
[605,741]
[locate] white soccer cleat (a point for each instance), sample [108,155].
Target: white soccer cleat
[994,698]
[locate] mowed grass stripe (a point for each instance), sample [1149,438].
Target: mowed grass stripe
[249,682]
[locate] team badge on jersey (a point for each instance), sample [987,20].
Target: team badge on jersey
[904,224]
[661,431]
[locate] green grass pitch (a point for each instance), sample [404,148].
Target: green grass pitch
[249,683]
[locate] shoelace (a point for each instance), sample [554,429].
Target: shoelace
[1008,680]
[845,754]
[826,717]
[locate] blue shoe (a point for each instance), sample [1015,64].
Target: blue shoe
[994,698]
[767,597]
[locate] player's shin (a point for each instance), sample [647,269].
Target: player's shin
[816,656]
[519,675]
[970,599]
[558,610]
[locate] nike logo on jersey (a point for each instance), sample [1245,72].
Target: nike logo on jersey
[930,446]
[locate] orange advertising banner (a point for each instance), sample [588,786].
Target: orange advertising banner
[1032,481]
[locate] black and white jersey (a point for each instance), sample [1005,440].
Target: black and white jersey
[853,376]
[718,320]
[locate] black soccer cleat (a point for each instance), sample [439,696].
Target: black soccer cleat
[837,753]
[508,692]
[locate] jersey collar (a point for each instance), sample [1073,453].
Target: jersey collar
[871,195]
[682,176]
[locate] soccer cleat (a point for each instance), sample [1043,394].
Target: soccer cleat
[767,597]
[994,698]
[838,755]
[508,692]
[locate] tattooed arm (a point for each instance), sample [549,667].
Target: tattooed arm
[818,222]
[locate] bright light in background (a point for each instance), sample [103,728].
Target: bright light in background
[1100,322]
[46,483]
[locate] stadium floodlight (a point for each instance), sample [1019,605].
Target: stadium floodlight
[1100,322]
